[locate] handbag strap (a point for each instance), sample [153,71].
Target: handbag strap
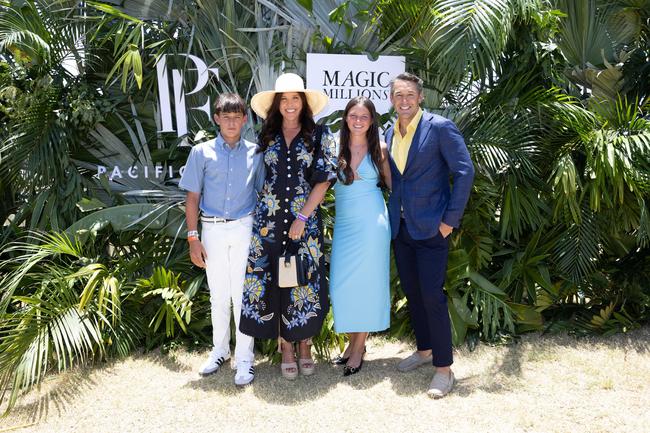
[287,255]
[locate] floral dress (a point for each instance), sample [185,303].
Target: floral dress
[292,313]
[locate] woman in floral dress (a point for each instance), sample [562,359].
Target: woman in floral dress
[300,163]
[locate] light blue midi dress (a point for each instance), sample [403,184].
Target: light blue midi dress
[360,263]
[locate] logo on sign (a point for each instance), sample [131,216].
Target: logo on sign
[173,114]
[343,77]
[178,110]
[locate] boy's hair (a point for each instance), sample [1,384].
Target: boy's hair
[407,76]
[229,103]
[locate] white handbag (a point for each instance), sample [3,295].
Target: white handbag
[291,271]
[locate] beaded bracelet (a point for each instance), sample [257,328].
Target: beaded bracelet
[192,238]
[302,217]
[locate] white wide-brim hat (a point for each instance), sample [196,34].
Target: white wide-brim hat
[261,102]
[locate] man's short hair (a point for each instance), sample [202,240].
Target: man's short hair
[407,76]
[229,103]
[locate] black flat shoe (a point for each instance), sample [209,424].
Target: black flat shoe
[349,371]
[339,360]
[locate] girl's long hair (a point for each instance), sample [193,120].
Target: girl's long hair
[272,125]
[344,173]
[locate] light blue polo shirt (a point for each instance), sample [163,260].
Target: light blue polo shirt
[227,179]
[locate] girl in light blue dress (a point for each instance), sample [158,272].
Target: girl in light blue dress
[360,265]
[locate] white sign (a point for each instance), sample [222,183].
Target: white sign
[345,76]
[178,85]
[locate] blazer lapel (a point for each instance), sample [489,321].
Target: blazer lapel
[420,137]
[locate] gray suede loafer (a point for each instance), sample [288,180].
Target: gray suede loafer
[412,362]
[441,384]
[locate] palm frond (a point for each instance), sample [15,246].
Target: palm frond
[26,256]
[502,143]
[462,38]
[489,303]
[578,248]
[48,325]
[23,32]
[36,143]
[158,218]
[565,183]
[175,306]
[583,33]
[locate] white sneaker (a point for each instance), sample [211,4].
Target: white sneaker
[245,373]
[212,364]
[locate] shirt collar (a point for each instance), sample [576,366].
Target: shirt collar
[415,120]
[221,142]
[412,124]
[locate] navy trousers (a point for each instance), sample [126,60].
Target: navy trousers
[422,266]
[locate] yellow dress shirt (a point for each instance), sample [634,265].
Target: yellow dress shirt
[401,145]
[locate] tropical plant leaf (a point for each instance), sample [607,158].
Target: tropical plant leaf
[161,218]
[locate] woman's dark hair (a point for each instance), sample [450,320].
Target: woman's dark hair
[344,173]
[272,125]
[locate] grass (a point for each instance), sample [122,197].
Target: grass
[540,384]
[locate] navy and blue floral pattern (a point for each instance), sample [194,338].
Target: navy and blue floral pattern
[291,172]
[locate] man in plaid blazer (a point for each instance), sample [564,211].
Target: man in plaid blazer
[427,151]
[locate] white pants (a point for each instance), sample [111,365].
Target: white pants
[227,245]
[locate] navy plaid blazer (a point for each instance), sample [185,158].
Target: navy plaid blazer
[422,195]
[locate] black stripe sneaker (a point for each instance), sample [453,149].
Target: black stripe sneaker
[245,373]
[212,364]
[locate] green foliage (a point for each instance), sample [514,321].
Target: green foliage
[175,308]
[69,300]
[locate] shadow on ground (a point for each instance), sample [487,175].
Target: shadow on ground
[270,386]
[502,371]
[56,400]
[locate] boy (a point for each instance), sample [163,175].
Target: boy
[222,178]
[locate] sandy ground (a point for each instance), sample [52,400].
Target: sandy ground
[540,384]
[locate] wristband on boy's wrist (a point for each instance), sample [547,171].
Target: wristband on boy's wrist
[302,217]
[192,235]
